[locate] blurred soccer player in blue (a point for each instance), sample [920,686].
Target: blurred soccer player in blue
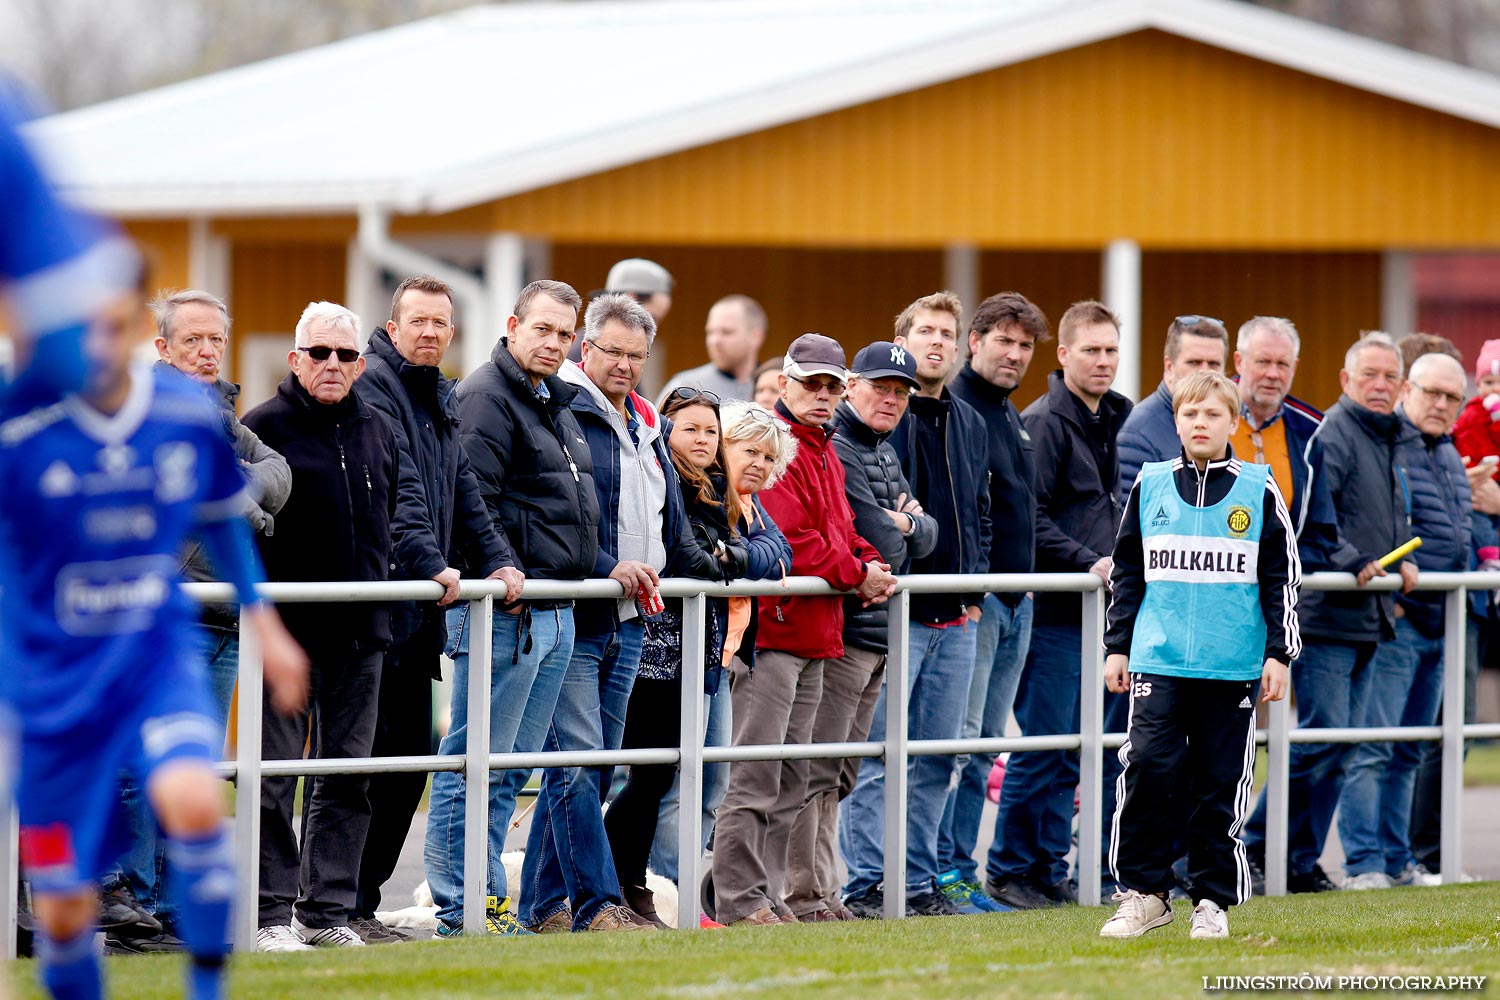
[106,467]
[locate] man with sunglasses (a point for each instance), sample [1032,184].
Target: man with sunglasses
[795,638]
[1194,343]
[339,523]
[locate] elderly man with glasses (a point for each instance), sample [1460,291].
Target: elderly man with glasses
[795,639]
[338,524]
[1406,675]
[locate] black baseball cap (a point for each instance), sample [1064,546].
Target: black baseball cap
[884,359]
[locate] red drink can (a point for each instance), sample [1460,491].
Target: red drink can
[649,601]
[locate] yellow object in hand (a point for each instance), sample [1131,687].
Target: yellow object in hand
[1396,555]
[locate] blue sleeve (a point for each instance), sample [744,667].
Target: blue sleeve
[231,550]
[224,481]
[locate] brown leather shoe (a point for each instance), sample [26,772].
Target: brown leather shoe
[560,922]
[819,917]
[642,906]
[763,917]
[615,918]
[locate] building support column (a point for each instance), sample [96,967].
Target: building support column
[362,291]
[961,277]
[1122,293]
[1398,296]
[208,259]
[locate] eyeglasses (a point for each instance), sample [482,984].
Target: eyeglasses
[1438,395]
[347,355]
[815,385]
[688,394]
[897,392]
[1259,444]
[1195,320]
[635,359]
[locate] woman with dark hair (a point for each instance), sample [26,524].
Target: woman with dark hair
[653,718]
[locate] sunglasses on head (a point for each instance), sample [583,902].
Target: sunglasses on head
[347,355]
[1186,321]
[688,394]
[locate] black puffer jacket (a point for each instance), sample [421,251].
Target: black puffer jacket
[1372,499]
[533,466]
[339,520]
[872,481]
[1077,489]
[419,403]
[1012,475]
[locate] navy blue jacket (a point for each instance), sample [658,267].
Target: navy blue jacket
[770,559]
[964,467]
[1370,488]
[1148,435]
[420,405]
[1077,498]
[1441,504]
[1012,470]
[685,557]
[533,467]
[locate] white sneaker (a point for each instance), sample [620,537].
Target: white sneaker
[280,937]
[328,937]
[1138,913]
[1369,880]
[1209,921]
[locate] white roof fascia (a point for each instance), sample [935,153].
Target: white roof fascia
[1341,56]
[964,55]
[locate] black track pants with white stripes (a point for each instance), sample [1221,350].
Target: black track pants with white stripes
[1188,762]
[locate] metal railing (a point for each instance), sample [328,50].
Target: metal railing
[477,762]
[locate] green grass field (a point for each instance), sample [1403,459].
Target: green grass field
[1447,931]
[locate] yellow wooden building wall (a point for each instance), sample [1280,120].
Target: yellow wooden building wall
[1148,136]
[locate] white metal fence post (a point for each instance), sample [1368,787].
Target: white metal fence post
[247,789]
[1278,782]
[477,767]
[1091,746]
[898,633]
[10,853]
[1455,634]
[690,767]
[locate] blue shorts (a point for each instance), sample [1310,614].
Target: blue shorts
[73,823]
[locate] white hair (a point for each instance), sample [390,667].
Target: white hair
[1279,325]
[745,421]
[329,314]
[165,307]
[623,309]
[1373,338]
[1423,364]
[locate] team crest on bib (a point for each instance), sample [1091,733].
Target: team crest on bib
[1239,521]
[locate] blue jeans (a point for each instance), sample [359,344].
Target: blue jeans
[1034,826]
[1331,681]
[523,693]
[567,850]
[145,864]
[719,712]
[940,665]
[999,653]
[1406,689]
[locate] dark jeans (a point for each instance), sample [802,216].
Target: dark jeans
[321,876]
[403,728]
[654,719]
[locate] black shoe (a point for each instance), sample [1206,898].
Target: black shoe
[1018,894]
[867,905]
[1061,893]
[372,931]
[121,915]
[930,904]
[154,944]
[1313,881]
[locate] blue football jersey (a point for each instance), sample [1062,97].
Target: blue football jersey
[93,518]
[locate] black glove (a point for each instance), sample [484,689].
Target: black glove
[735,562]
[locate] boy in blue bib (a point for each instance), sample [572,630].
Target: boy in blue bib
[1203,612]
